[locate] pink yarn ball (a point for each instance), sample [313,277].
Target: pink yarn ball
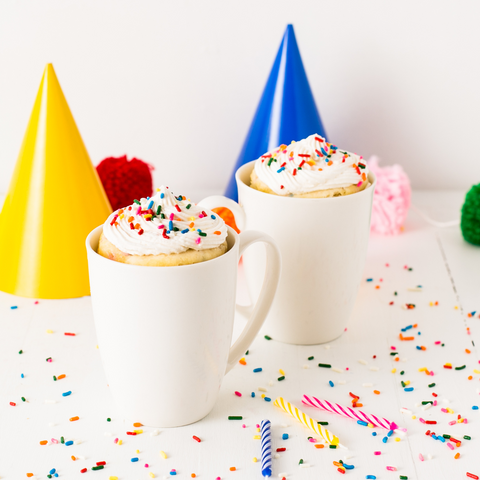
[391,199]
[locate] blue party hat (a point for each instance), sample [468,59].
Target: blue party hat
[286,111]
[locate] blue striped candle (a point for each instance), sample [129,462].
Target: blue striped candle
[266,448]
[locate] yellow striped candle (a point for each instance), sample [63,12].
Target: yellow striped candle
[308,422]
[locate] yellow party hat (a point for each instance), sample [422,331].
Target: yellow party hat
[55,199]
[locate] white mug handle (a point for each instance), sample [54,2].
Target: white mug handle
[216,201]
[255,314]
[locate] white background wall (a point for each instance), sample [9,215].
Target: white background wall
[176,83]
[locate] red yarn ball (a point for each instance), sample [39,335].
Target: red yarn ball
[125,180]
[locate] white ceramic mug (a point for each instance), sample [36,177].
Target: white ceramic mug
[323,242]
[164,333]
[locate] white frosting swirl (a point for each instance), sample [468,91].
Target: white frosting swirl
[309,165]
[164,224]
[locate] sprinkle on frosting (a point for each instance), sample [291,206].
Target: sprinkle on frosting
[309,165]
[164,223]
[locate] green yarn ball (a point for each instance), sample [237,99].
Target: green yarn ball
[470,222]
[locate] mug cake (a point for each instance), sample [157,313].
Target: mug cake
[162,231]
[310,168]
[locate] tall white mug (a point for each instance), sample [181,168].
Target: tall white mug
[164,333]
[323,242]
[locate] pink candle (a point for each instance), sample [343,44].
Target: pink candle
[350,412]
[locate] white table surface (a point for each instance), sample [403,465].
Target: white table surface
[448,270]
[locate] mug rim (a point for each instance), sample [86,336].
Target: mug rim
[235,237]
[371,177]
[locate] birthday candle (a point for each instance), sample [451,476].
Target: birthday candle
[349,412]
[328,436]
[266,448]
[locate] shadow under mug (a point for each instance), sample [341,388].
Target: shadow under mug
[323,243]
[164,333]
